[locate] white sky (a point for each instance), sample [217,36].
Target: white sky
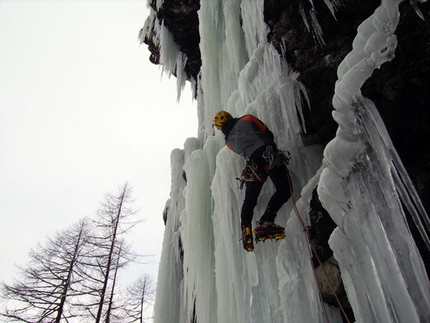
[82,110]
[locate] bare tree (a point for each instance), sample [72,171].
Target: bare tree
[112,223]
[46,290]
[75,275]
[116,300]
[140,295]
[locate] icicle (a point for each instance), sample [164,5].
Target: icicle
[317,28]
[331,7]
[181,75]
[414,4]
[255,29]
[304,18]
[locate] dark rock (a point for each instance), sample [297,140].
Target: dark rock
[316,63]
[332,288]
[181,19]
[320,230]
[399,89]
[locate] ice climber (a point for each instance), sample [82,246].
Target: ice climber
[251,138]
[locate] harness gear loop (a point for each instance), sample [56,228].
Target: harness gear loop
[269,155]
[276,157]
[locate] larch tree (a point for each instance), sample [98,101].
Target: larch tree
[140,295]
[47,289]
[114,220]
[74,276]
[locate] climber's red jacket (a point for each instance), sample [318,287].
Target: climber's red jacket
[245,135]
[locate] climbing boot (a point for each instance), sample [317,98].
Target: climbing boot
[247,238]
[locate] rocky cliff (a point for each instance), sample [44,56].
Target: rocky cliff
[314,39]
[400,88]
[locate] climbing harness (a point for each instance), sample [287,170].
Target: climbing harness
[274,158]
[312,249]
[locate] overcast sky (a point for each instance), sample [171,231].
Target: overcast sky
[82,110]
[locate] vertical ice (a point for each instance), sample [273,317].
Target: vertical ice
[204,272]
[363,186]
[197,236]
[171,273]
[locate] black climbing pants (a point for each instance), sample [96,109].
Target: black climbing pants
[279,176]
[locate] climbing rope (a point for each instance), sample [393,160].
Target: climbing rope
[312,247]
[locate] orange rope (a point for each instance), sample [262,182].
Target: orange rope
[316,256]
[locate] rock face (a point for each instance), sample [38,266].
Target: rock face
[317,62]
[399,89]
[180,17]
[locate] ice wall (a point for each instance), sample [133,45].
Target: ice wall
[363,185]
[204,271]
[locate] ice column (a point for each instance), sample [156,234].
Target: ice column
[170,272]
[230,32]
[382,270]
[198,235]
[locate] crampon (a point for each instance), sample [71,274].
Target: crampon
[268,230]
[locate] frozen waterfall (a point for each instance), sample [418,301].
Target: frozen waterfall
[204,272]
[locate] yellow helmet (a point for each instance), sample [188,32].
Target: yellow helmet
[220,118]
